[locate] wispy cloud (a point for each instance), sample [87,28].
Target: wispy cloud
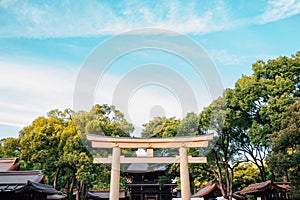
[277,10]
[37,20]
[226,58]
[71,19]
[29,91]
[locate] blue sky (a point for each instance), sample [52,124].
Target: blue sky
[43,45]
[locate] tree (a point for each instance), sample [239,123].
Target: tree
[284,160]
[161,127]
[56,144]
[247,103]
[40,141]
[189,125]
[245,174]
[102,120]
[10,148]
[258,102]
[223,150]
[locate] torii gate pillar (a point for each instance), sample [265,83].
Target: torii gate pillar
[115,174]
[184,174]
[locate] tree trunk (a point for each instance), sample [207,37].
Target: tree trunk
[219,173]
[83,191]
[78,191]
[56,177]
[262,173]
[285,175]
[72,186]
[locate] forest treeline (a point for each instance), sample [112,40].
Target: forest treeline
[256,126]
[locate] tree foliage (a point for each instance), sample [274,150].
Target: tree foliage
[161,127]
[10,148]
[284,159]
[218,118]
[245,174]
[259,101]
[56,145]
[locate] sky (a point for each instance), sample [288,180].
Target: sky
[45,45]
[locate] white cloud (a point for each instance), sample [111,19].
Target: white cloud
[45,20]
[277,10]
[37,20]
[226,58]
[29,91]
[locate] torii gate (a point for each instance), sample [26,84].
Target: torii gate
[181,143]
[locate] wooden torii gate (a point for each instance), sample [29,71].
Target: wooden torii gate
[181,143]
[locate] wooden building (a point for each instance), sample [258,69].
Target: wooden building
[212,191]
[24,185]
[145,182]
[268,190]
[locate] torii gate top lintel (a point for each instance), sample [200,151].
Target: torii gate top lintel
[200,141]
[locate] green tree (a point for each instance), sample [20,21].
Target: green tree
[284,159]
[40,141]
[103,120]
[223,150]
[161,127]
[259,101]
[247,103]
[56,144]
[10,148]
[189,125]
[245,174]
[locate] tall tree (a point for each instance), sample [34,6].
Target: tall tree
[284,159]
[259,102]
[40,141]
[218,117]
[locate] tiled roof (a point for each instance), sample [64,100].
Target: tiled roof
[138,167]
[9,164]
[20,177]
[104,194]
[21,181]
[258,187]
[38,187]
[210,187]
[206,190]
[285,185]
[29,186]
[56,197]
